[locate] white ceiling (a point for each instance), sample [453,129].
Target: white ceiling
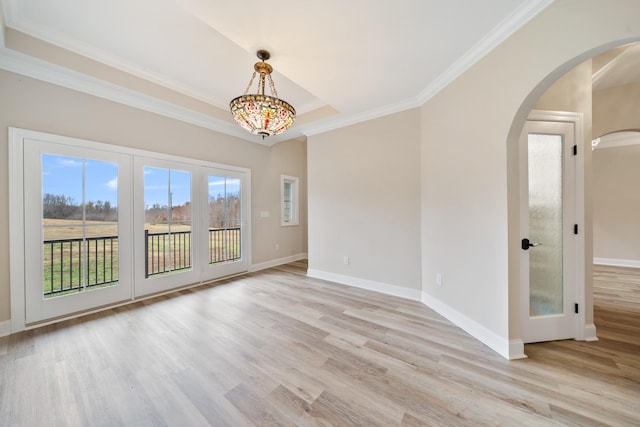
[362,58]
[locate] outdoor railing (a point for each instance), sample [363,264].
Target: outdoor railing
[68,262]
[165,252]
[73,264]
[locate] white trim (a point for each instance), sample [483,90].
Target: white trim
[356,282]
[276,262]
[45,71]
[41,70]
[516,349]
[523,14]
[5,328]
[331,123]
[579,214]
[618,139]
[17,208]
[590,333]
[67,140]
[294,215]
[16,230]
[497,343]
[617,262]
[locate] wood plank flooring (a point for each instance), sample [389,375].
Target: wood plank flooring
[276,348]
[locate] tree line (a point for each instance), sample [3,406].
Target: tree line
[59,206]
[223,211]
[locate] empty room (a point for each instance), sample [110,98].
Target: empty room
[409,213]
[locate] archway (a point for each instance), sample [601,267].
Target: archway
[532,101]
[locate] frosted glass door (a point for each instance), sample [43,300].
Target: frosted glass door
[546,279]
[547,218]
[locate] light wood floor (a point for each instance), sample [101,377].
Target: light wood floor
[278,348]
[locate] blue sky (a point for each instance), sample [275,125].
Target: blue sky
[62,175]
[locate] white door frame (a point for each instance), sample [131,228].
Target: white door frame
[16,174]
[577,120]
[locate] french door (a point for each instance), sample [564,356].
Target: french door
[226,225]
[548,247]
[77,232]
[194,222]
[93,224]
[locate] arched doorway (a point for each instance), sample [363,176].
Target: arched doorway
[562,90]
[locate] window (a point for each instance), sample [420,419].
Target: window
[289,200]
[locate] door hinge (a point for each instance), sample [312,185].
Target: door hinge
[575,150]
[575,228]
[576,308]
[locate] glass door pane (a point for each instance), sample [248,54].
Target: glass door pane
[225,219]
[79,224]
[546,281]
[168,221]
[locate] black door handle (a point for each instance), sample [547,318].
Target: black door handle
[526,244]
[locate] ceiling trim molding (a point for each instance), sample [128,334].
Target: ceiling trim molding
[500,33]
[618,139]
[32,67]
[41,70]
[14,20]
[329,124]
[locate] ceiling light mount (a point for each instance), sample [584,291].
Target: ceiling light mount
[258,113]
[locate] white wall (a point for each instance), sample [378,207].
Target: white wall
[364,203]
[36,105]
[616,205]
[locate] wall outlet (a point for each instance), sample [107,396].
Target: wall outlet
[438,279]
[264,214]
[276,247]
[345,260]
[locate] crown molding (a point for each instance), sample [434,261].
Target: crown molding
[500,33]
[341,121]
[15,20]
[527,11]
[32,67]
[618,139]
[41,70]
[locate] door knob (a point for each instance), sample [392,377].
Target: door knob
[526,244]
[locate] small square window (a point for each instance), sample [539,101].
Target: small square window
[289,200]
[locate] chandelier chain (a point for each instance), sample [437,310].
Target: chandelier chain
[273,86]
[246,91]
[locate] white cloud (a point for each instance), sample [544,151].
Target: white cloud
[113,184]
[68,162]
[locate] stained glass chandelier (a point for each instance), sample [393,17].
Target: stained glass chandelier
[258,113]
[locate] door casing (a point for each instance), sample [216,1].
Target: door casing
[578,214]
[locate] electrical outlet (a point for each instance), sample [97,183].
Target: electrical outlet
[277,247]
[438,279]
[345,260]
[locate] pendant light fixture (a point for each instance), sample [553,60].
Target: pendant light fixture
[259,113]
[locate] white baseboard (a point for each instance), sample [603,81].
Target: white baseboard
[516,349]
[590,333]
[617,262]
[513,349]
[5,328]
[384,288]
[277,262]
